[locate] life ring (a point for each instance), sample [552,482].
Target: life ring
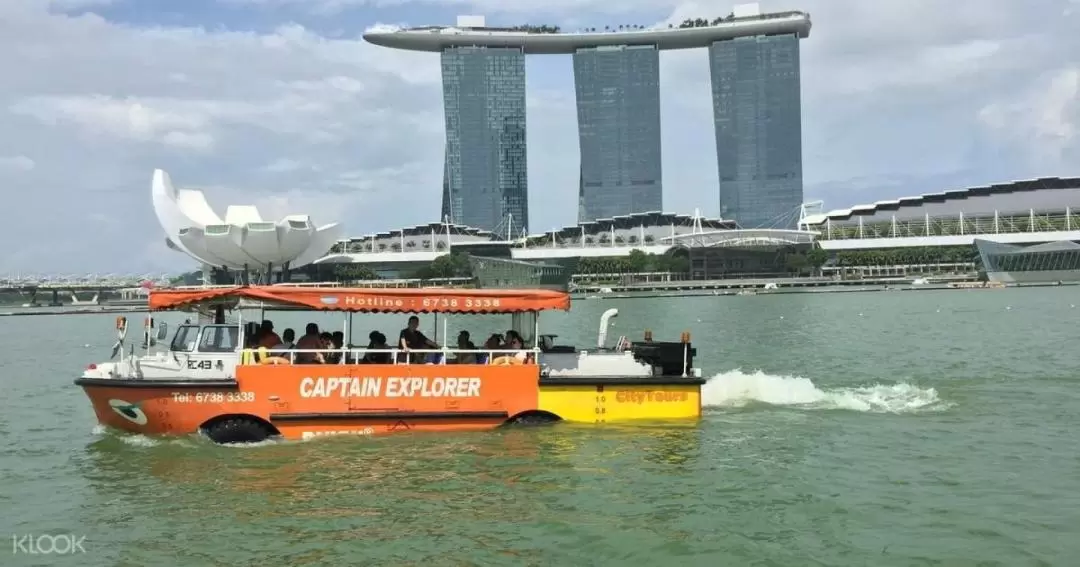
[506,361]
[275,360]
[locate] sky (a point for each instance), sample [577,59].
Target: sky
[281,104]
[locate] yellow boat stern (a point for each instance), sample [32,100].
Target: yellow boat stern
[610,400]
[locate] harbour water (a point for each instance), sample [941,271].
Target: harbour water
[933,428]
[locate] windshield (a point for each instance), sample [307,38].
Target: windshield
[219,338]
[184,339]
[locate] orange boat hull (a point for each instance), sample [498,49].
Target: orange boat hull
[303,401]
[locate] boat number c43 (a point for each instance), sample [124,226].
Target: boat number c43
[203,364]
[213,397]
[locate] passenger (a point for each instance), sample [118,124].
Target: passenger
[511,336]
[338,338]
[310,341]
[377,342]
[494,342]
[287,344]
[250,353]
[288,340]
[463,343]
[266,336]
[328,344]
[515,342]
[337,342]
[411,338]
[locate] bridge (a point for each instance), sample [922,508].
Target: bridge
[130,287]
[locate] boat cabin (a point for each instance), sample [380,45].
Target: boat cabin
[213,348]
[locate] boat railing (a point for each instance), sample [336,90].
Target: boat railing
[355,355]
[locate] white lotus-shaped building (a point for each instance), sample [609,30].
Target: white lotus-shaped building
[242,240]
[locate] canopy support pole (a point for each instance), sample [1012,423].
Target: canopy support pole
[445,325]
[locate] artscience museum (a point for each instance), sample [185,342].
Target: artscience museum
[241,241]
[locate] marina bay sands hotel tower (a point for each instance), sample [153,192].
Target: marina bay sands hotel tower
[754,66]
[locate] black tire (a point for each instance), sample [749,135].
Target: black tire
[237,430]
[533,419]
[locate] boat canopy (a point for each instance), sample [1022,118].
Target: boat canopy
[367,300]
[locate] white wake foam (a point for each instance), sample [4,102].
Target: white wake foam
[737,389]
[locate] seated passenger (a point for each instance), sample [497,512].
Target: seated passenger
[288,340]
[377,342]
[266,336]
[512,336]
[337,338]
[310,341]
[494,342]
[412,338]
[514,342]
[328,344]
[463,343]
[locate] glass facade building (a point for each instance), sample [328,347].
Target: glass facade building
[618,108]
[485,180]
[494,273]
[1039,263]
[758,121]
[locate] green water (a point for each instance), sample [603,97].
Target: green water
[905,428]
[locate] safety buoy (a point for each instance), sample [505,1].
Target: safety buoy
[275,360]
[506,361]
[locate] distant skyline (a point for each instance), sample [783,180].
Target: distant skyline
[618,122]
[753,73]
[757,107]
[280,103]
[486,180]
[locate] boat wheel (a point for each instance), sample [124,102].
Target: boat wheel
[237,430]
[534,418]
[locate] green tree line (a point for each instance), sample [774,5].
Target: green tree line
[456,264]
[636,262]
[915,255]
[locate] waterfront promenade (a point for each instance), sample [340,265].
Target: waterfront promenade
[774,286]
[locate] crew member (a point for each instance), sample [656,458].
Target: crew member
[412,338]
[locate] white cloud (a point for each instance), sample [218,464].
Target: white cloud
[1044,120]
[146,120]
[16,163]
[298,121]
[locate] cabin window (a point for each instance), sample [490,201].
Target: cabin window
[184,339]
[221,338]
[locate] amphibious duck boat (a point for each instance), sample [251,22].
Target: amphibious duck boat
[206,382]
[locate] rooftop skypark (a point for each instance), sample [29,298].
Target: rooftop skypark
[551,39]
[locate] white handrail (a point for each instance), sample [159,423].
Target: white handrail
[357,353]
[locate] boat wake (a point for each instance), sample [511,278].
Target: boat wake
[187,441]
[736,389]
